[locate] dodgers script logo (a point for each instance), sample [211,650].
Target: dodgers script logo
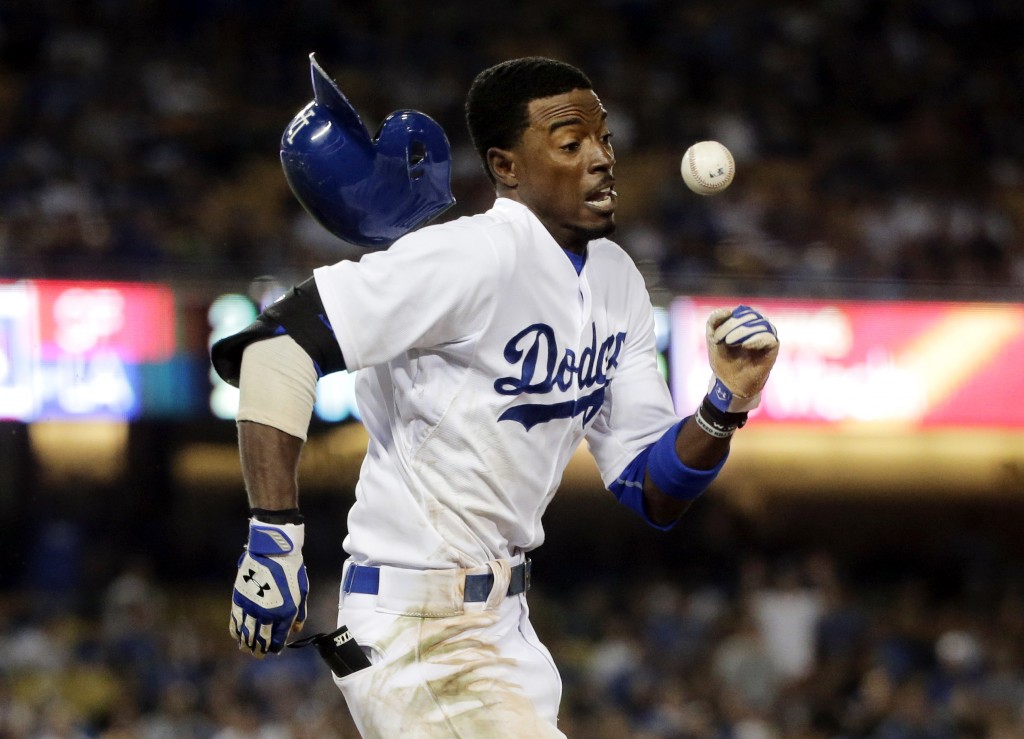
[560,370]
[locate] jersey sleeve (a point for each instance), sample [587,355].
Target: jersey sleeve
[638,408]
[428,289]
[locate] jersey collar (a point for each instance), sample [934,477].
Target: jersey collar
[513,209]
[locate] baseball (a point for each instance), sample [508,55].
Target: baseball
[707,167]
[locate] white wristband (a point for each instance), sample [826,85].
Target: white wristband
[718,433]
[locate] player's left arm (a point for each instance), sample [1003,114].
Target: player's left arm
[699,459]
[742,348]
[655,463]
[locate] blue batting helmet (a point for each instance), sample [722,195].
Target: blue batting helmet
[366,191]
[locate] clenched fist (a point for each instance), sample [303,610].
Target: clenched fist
[742,348]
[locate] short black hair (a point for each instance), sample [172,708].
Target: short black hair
[497,106]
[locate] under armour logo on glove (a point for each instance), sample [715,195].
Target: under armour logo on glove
[269,600]
[260,588]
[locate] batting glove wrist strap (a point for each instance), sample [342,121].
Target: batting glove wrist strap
[716,422]
[269,599]
[723,400]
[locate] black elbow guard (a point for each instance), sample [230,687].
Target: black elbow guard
[299,313]
[226,354]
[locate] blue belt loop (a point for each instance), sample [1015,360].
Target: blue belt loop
[362,579]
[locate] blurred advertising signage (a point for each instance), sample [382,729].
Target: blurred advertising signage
[915,364]
[72,349]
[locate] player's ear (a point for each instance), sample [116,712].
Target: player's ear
[503,167]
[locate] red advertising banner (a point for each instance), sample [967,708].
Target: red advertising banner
[135,321]
[76,349]
[914,364]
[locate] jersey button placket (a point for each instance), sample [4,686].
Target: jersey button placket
[583,338]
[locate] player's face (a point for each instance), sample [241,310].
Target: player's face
[563,168]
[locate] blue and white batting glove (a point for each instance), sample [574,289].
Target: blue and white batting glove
[269,600]
[742,348]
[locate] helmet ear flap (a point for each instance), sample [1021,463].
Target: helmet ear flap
[365,191]
[327,94]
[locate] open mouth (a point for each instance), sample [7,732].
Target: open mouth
[603,200]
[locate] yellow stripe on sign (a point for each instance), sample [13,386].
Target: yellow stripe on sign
[954,349]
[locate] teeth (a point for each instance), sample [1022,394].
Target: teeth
[602,200]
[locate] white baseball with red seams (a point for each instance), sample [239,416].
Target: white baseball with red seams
[707,167]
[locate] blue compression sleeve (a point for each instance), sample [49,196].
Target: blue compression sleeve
[629,488]
[672,477]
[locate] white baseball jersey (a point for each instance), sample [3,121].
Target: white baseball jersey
[485,360]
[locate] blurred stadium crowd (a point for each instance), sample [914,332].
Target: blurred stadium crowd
[879,143]
[880,151]
[770,647]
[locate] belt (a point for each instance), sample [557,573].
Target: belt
[366,580]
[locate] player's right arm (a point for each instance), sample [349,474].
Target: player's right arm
[422,291]
[275,362]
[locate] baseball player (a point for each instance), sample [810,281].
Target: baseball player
[487,349]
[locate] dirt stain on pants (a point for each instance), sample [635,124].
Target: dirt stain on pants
[459,676]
